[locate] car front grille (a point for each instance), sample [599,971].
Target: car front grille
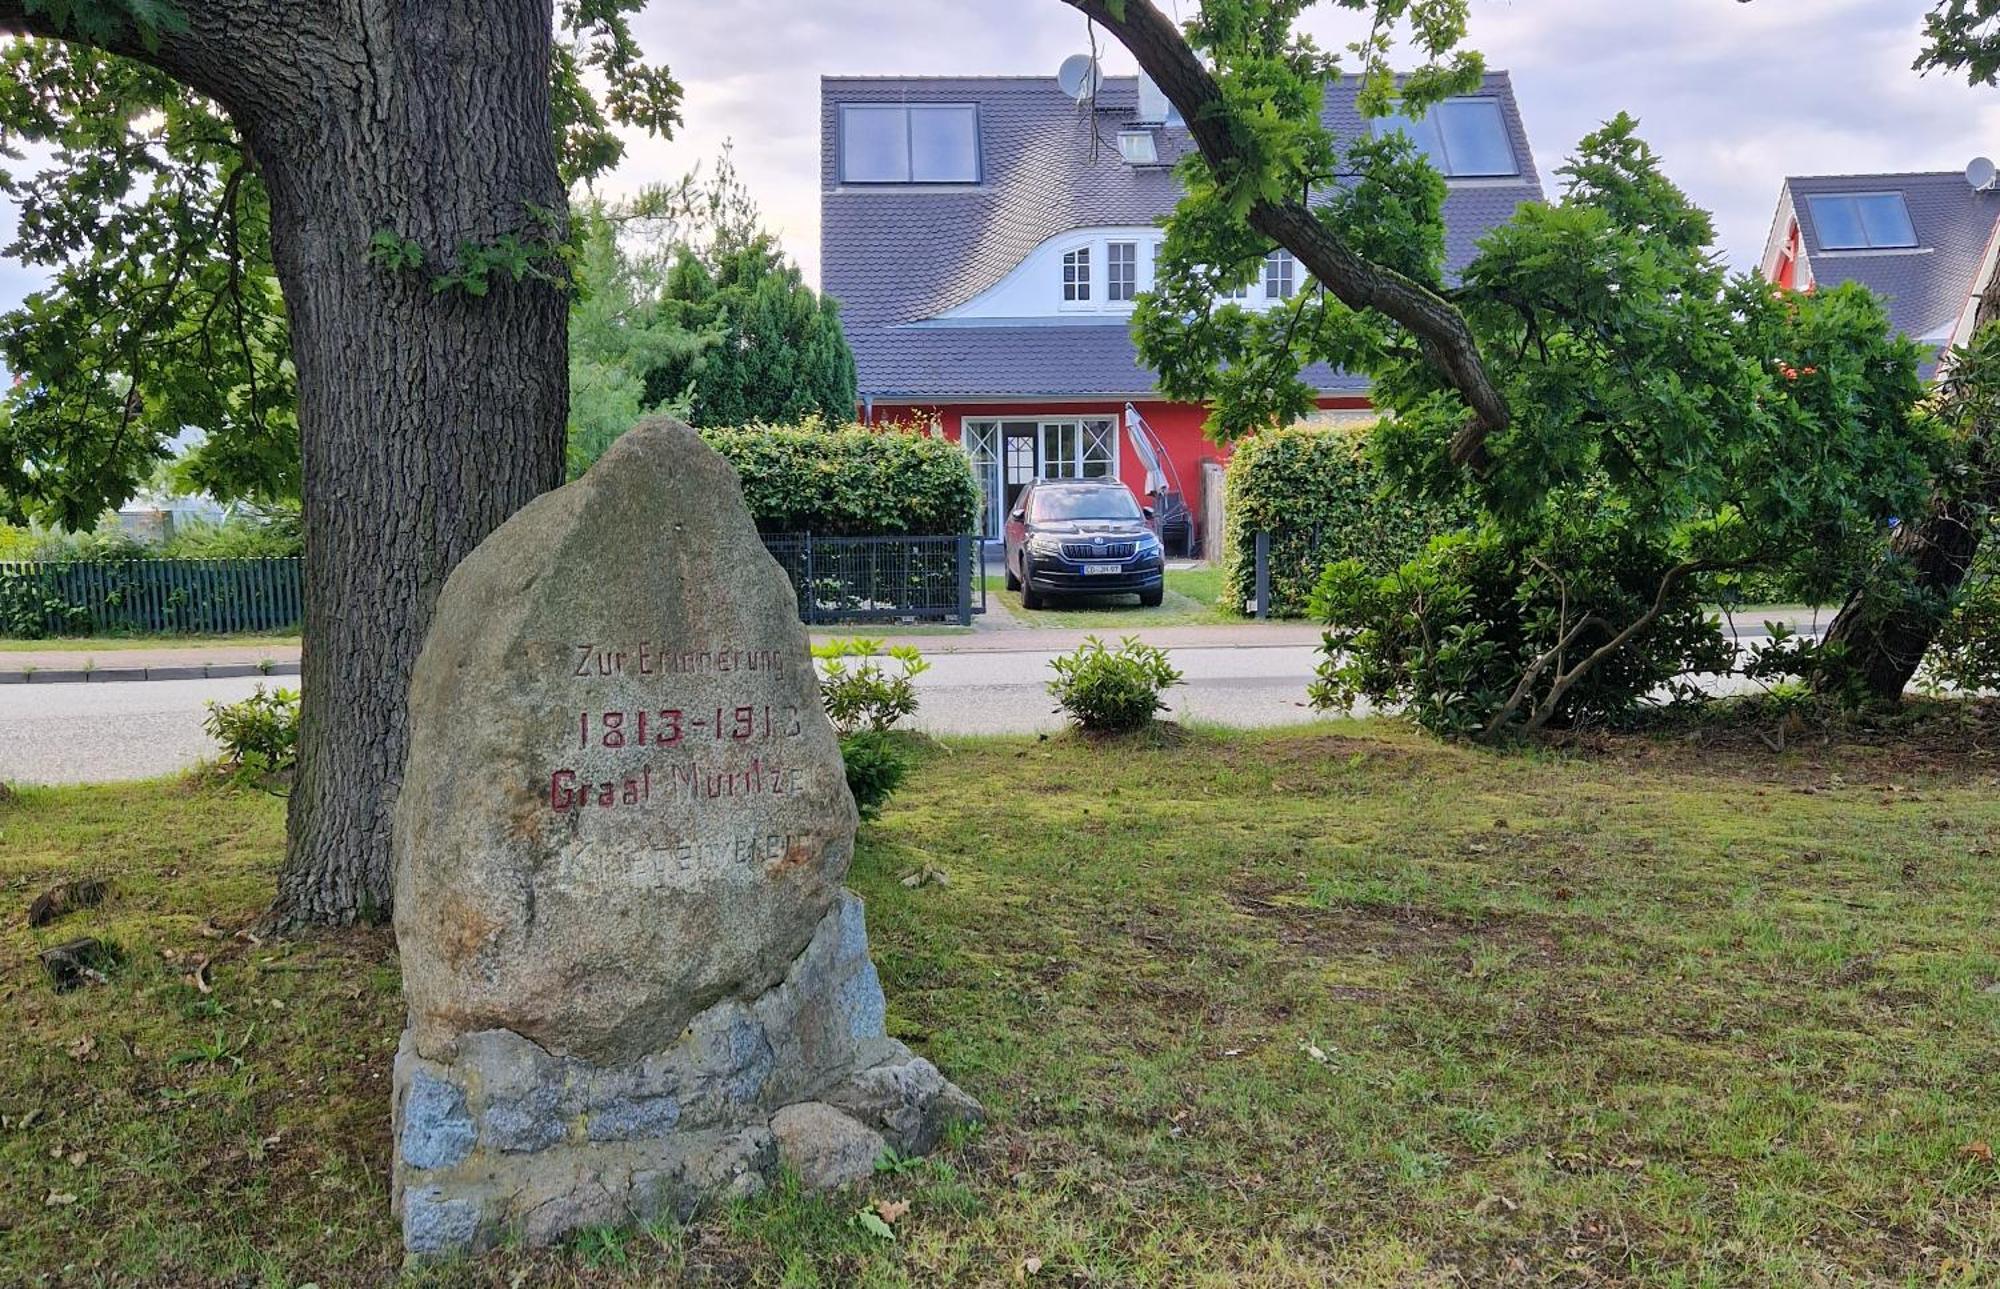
[1079,551]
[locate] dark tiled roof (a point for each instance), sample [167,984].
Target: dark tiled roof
[896,256]
[1925,288]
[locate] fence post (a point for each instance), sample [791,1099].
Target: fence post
[812,592]
[964,581]
[1263,575]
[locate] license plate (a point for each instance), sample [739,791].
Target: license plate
[1090,569]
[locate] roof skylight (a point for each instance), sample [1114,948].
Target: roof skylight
[915,143]
[1862,221]
[1464,138]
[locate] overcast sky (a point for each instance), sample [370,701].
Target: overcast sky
[1734,96]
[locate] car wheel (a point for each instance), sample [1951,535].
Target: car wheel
[1030,597]
[1151,599]
[1013,580]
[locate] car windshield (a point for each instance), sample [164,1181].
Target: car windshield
[1084,503]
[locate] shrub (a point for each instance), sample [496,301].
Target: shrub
[1966,653]
[1476,636]
[1316,491]
[875,769]
[865,701]
[1113,691]
[260,735]
[863,695]
[30,611]
[851,481]
[106,543]
[272,533]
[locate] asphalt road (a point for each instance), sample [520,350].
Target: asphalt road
[57,733]
[96,732]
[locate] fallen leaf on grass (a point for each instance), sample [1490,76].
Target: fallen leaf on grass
[83,1047]
[1029,1266]
[60,1199]
[875,1226]
[199,976]
[1979,1150]
[892,1209]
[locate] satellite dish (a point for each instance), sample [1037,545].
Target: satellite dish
[1080,76]
[1981,174]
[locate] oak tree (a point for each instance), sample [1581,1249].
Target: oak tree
[1249,85]
[401,167]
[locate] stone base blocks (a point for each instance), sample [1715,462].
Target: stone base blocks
[504,1136]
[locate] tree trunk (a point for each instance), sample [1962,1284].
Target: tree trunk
[426,416]
[1884,649]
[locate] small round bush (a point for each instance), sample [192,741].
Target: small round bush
[1113,691]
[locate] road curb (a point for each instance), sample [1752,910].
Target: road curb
[119,675]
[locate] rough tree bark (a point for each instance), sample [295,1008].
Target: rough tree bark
[1884,650]
[426,417]
[1936,551]
[1161,50]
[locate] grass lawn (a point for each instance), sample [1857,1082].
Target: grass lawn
[1192,599]
[112,644]
[1339,1006]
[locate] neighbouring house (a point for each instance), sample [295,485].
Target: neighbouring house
[987,237]
[1924,242]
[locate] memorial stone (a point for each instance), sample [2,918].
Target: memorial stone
[634,978]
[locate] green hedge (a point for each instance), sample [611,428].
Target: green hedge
[851,482]
[1315,490]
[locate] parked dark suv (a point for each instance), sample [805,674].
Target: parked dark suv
[1082,537]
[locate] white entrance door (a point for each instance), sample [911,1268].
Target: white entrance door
[1008,455]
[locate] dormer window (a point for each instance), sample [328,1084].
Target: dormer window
[894,143]
[1862,221]
[1076,276]
[1280,275]
[1463,138]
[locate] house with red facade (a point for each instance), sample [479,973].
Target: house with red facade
[1925,242]
[987,238]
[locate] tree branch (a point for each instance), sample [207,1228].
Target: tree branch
[1440,328]
[237,52]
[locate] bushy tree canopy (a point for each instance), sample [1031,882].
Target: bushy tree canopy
[691,306]
[1671,424]
[163,311]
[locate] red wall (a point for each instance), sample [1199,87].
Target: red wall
[1178,426]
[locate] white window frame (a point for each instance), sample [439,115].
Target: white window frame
[1284,266]
[1077,282]
[1111,282]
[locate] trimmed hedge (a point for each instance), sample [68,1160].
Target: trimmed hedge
[852,481]
[1320,496]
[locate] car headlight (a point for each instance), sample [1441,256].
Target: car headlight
[1043,544]
[1149,544]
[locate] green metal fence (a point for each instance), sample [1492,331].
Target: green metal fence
[838,579]
[142,596]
